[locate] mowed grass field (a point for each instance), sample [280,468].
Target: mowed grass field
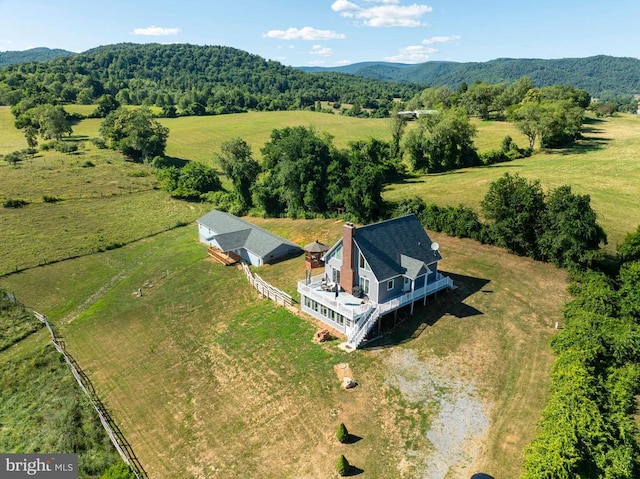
[207,380]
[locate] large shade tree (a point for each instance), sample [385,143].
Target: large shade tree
[443,141]
[572,236]
[514,208]
[295,161]
[135,133]
[237,163]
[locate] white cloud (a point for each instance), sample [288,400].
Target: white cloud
[345,8]
[305,33]
[448,39]
[343,62]
[412,54]
[315,63]
[390,14]
[156,31]
[322,51]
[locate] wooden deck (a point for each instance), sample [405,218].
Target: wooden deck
[229,258]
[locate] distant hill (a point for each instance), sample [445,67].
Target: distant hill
[196,79]
[40,54]
[599,75]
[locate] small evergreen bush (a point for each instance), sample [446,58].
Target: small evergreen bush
[342,434]
[342,465]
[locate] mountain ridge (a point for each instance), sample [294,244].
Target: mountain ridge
[598,74]
[38,54]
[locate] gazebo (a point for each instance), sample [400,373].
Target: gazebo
[313,254]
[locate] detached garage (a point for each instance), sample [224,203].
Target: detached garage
[253,244]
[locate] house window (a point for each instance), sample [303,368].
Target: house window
[307,302]
[337,254]
[348,322]
[364,284]
[340,320]
[407,285]
[335,276]
[362,262]
[390,284]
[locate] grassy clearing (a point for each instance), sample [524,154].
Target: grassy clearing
[199,137]
[604,165]
[11,139]
[45,233]
[96,201]
[205,379]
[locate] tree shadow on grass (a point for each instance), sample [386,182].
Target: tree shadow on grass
[585,145]
[174,161]
[353,471]
[352,439]
[410,326]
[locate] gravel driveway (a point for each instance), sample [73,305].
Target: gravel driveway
[459,420]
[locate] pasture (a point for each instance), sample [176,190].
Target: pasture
[207,380]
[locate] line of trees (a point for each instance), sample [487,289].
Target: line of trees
[303,174]
[559,226]
[587,429]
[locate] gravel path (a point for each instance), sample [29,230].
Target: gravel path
[460,421]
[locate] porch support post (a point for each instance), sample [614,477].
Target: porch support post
[413,282]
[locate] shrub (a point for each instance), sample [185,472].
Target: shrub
[137,174]
[99,143]
[342,466]
[88,164]
[65,147]
[342,434]
[11,203]
[51,199]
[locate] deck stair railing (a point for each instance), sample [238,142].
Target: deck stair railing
[357,338]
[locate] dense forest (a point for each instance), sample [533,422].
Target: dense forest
[602,76]
[195,80]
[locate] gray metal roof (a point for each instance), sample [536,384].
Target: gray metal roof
[384,244]
[234,233]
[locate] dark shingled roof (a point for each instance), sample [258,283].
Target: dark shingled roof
[384,244]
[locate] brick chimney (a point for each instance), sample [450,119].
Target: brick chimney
[347,274]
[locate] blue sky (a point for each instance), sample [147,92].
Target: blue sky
[335,32]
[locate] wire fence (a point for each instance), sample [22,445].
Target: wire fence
[115,434]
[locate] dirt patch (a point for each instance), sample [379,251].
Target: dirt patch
[459,419]
[343,371]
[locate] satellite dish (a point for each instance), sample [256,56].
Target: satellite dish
[435,246]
